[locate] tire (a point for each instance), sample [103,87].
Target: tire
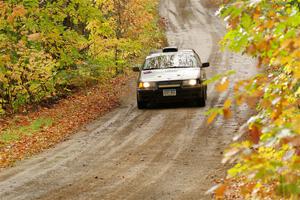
[141,104]
[202,100]
[205,92]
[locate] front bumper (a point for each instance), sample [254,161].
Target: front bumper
[182,94]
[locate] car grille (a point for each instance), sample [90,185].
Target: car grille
[169,84]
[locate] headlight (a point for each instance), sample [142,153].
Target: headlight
[192,82]
[147,85]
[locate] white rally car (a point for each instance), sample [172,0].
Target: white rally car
[171,74]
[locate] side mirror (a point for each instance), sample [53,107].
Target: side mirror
[136,69]
[204,65]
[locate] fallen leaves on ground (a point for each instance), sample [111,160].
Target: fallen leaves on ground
[237,189]
[68,115]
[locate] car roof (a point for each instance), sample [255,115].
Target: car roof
[157,53]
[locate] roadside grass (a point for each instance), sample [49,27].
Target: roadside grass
[15,132]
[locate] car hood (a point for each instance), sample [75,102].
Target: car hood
[169,74]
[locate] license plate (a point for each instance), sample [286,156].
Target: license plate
[169,93]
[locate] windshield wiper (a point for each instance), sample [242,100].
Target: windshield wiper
[173,67]
[150,69]
[177,67]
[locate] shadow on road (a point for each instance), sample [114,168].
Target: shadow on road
[160,105]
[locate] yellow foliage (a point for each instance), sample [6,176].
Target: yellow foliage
[270,32]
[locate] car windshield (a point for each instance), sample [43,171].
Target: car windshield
[174,60]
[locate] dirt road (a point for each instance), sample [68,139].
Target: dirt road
[160,153]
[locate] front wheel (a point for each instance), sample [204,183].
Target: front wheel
[201,102]
[205,92]
[141,104]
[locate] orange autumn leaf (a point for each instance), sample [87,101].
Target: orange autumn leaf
[265,103]
[276,113]
[297,43]
[223,85]
[270,24]
[251,49]
[236,87]
[239,99]
[234,22]
[247,188]
[18,11]
[212,117]
[251,101]
[286,43]
[254,134]
[295,141]
[227,113]
[220,191]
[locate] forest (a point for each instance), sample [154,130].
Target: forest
[50,48]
